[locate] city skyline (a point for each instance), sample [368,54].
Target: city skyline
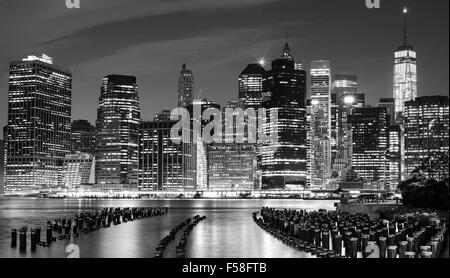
[159,90]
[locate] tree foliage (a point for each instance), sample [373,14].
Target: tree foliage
[419,192]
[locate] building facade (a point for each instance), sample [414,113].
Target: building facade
[118,118]
[427,135]
[320,125]
[283,162]
[394,157]
[160,160]
[251,86]
[344,98]
[370,144]
[232,167]
[78,169]
[83,137]
[39,115]
[2,166]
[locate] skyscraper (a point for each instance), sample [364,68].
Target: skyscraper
[160,160]
[405,74]
[199,157]
[320,154]
[185,87]
[118,118]
[251,85]
[83,137]
[344,98]
[370,144]
[2,166]
[427,135]
[38,133]
[283,163]
[394,156]
[232,166]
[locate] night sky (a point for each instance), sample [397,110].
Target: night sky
[217,39]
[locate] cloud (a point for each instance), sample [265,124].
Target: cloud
[108,38]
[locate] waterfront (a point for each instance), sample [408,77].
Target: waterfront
[228,231]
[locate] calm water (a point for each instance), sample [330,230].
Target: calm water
[228,231]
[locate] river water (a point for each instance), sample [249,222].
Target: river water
[228,231]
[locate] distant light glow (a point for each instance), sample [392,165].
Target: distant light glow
[262,61]
[349,100]
[405,10]
[315,102]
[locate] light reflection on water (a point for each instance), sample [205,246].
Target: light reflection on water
[228,231]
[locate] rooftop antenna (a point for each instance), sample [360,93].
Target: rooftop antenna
[405,13]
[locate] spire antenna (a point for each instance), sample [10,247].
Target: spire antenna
[405,13]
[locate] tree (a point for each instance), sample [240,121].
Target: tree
[419,192]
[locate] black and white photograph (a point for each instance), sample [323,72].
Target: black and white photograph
[234,131]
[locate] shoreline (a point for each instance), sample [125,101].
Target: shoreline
[167,199]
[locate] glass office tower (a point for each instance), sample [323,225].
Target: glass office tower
[370,144]
[320,125]
[427,135]
[38,132]
[118,118]
[283,163]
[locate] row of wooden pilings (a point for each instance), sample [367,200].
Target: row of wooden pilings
[85,222]
[180,249]
[164,242]
[334,234]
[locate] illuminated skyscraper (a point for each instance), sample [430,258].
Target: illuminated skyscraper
[344,98]
[251,83]
[38,133]
[405,74]
[198,163]
[252,89]
[370,144]
[2,166]
[160,160]
[320,125]
[118,118]
[83,137]
[394,157]
[427,135]
[185,87]
[232,166]
[283,163]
